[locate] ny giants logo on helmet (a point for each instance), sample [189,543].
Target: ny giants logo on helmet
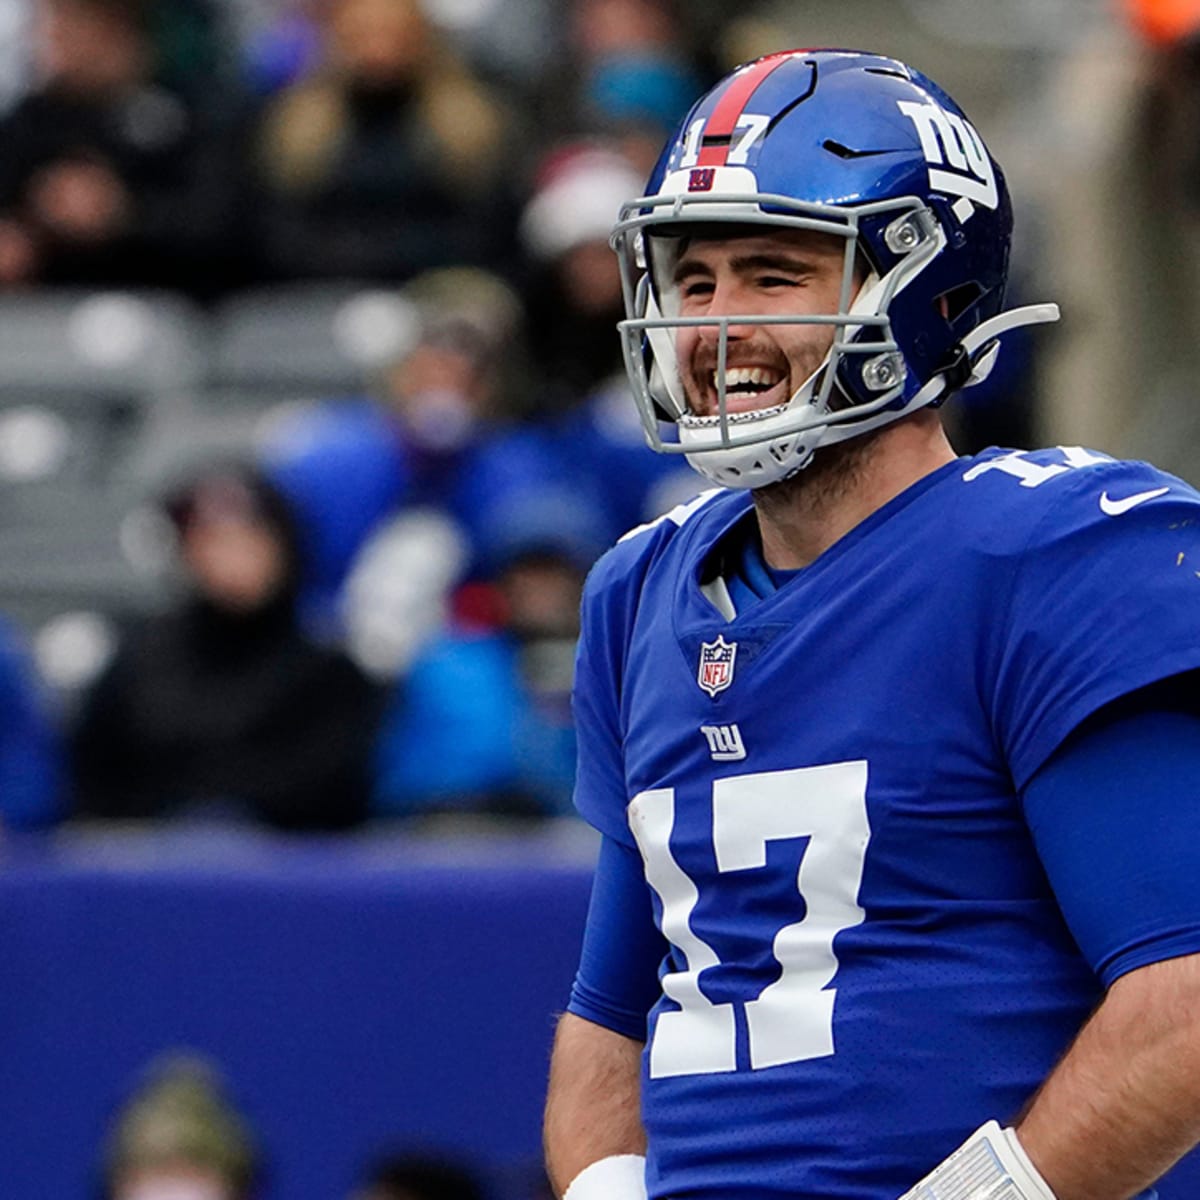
[701,179]
[958,162]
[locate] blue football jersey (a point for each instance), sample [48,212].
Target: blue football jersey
[867,959]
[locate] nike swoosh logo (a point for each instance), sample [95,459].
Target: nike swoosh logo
[1114,508]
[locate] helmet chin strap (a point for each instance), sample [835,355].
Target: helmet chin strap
[986,331]
[938,388]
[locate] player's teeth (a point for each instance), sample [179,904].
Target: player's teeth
[741,376]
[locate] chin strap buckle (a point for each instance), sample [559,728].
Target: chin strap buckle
[956,371]
[971,360]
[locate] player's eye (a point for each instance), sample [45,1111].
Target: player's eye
[695,288]
[777,281]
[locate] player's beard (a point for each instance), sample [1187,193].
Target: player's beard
[833,474]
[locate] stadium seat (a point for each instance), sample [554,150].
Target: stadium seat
[303,341]
[113,342]
[80,373]
[83,375]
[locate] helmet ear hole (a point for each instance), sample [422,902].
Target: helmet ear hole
[958,300]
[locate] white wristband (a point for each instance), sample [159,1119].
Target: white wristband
[617,1177]
[991,1163]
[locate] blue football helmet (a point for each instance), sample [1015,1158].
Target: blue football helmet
[844,143]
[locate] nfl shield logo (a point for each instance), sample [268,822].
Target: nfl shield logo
[716,665]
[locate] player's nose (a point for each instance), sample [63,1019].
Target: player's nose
[735,330]
[729,299]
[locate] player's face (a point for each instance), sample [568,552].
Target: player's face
[774,272]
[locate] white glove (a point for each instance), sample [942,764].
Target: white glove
[617,1177]
[990,1165]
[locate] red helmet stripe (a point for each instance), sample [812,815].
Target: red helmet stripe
[729,108]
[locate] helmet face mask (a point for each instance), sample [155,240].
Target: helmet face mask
[834,143]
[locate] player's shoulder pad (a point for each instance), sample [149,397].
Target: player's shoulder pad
[1017,499]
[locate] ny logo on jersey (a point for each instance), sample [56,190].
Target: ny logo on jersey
[716,665]
[958,161]
[724,742]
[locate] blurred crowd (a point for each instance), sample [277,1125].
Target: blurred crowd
[364,605]
[207,144]
[369,611]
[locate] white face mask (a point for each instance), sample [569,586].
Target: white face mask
[175,1187]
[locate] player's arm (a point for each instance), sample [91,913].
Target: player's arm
[1124,1104]
[1111,814]
[593,1109]
[593,1131]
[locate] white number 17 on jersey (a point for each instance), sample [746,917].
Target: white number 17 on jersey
[792,1018]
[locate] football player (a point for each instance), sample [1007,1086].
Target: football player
[893,752]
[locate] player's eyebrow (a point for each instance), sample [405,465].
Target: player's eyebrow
[779,260]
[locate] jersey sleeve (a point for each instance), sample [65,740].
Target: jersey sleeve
[617,981]
[1111,815]
[1103,600]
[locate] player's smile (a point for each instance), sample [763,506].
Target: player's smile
[746,388]
[774,273]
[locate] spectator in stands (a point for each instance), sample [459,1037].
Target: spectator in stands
[388,161]
[31,764]
[179,1137]
[574,290]
[566,461]
[418,1177]
[482,721]
[221,705]
[628,72]
[108,177]
[351,467]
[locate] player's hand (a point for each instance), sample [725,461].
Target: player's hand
[991,1162]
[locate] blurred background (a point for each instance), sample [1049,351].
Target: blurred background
[312,421]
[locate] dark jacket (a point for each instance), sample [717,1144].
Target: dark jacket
[203,710]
